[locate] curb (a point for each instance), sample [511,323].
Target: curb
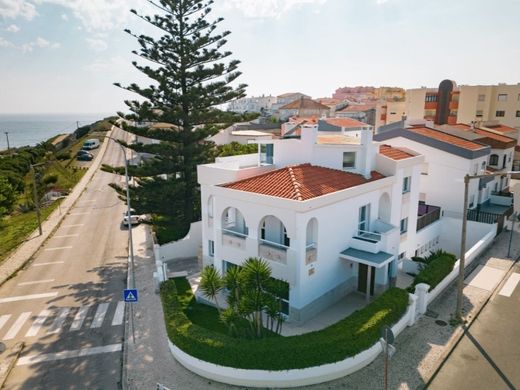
[93,168]
[7,365]
[461,329]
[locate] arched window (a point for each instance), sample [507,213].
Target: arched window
[233,222]
[493,159]
[273,231]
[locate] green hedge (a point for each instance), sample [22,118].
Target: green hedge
[346,338]
[436,269]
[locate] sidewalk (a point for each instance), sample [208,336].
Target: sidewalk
[420,349]
[31,245]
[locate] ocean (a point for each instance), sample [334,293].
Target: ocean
[30,129]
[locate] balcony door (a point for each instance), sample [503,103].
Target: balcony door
[364,219]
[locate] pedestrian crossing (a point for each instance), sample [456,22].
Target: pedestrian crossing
[59,320]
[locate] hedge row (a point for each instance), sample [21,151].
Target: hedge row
[346,338]
[436,270]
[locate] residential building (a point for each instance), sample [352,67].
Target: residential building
[343,126]
[247,132]
[450,104]
[366,94]
[330,211]
[252,104]
[286,98]
[303,107]
[365,113]
[389,111]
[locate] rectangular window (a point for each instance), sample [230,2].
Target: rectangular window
[475,168]
[431,98]
[211,248]
[500,113]
[481,98]
[518,113]
[267,154]
[479,113]
[402,255]
[349,160]
[509,157]
[404,225]
[483,165]
[364,218]
[471,201]
[502,97]
[406,184]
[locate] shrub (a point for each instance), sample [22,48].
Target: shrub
[438,266]
[346,338]
[50,179]
[63,156]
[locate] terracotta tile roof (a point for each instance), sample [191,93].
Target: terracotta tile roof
[394,153]
[447,138]
[358,107]
[301,182]
[304,103]
[502,128]
[484,133]
[345,122]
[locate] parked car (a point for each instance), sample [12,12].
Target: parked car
[81,152]
[90,144]
[134,219]
[85,157]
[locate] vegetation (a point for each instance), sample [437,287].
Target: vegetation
[191,76]
[235,148]
[346,338]
[436,267]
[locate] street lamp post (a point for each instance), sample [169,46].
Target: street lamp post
[35,195]
[7,136]
[467,178]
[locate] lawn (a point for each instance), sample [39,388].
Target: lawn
[16,228]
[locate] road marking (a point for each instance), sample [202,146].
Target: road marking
[58,248]
[509,287]
[49,263]
[4,319]
[13,331]
[118,316]
[38,323]
[76,225]
[91,200]
[49,357]
[85,213]
[58,322]
[66,235]
[28,297]
[77,323]
[36,282]
[100,315]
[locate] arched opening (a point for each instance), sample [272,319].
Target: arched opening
[493,159]
[233,222]
[384,208]
[311,241]
[273,231]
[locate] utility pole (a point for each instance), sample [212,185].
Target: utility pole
[7,136]
[511,234]
[36,202]
[462,260]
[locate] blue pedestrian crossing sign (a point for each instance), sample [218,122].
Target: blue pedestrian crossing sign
[130,295]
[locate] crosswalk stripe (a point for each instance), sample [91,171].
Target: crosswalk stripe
[38,323]
[31,359]
[49,263]
[100,315]
[77,323]
[66,236]
[4,319]
[28,297]
[36,282]
[118,316]
[58,322]
[59,248]
[15,328]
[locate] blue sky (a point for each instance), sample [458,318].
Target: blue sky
[64,55]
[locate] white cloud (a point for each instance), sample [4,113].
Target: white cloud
[5,43]
[41,43]
[267,8]
[13,28]
[381,1]
[17,8]
[104,64]
[65,17]
[97,44]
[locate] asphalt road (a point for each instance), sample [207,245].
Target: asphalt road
[488,356]
[66,303]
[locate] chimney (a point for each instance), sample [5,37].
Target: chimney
[368,155]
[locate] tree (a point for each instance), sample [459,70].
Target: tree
[190,75]
[7,196]
[211,284]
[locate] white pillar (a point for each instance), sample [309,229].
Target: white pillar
[421,290]
[369,277]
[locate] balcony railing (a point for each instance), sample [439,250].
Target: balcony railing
[234,238]
[368,236]
[273,251]
[427,215]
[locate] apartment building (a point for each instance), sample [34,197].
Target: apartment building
[331,211]
[252,104]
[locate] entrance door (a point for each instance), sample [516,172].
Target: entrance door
[362,278]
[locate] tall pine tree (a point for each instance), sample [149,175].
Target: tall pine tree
[191,75]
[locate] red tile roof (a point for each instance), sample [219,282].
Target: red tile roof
[502,128]
[448,138]
[394,153]
[358,107]
[345,122]
[301,182]
[484,133]
[304,103]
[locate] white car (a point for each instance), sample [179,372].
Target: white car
[134,219]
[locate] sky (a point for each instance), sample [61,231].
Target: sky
[63,56]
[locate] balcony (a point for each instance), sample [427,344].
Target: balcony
[378,239]
[234,238]
[273,251]
[426,215]
[501,198]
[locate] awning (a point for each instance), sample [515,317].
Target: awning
[377,260]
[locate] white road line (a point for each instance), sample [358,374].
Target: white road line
[58,322]
[92,200]
[13,331]
[100,315]
[73,214]
[49,263]
[118,316]
[4,319]
[49,357]
[58,248]
[38,323]
[36,282]
[28,297]
[509,287]
[66,235]
[77,323]
[76,225]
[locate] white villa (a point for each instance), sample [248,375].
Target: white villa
[332,212]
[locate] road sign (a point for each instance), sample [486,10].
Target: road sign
[130,295]
[387,334]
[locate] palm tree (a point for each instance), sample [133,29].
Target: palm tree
[211,284]
[256,277]
[232,280]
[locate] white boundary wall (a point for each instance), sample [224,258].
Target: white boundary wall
[289,378]
[186,247]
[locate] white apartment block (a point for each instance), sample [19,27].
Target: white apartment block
[252,104]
